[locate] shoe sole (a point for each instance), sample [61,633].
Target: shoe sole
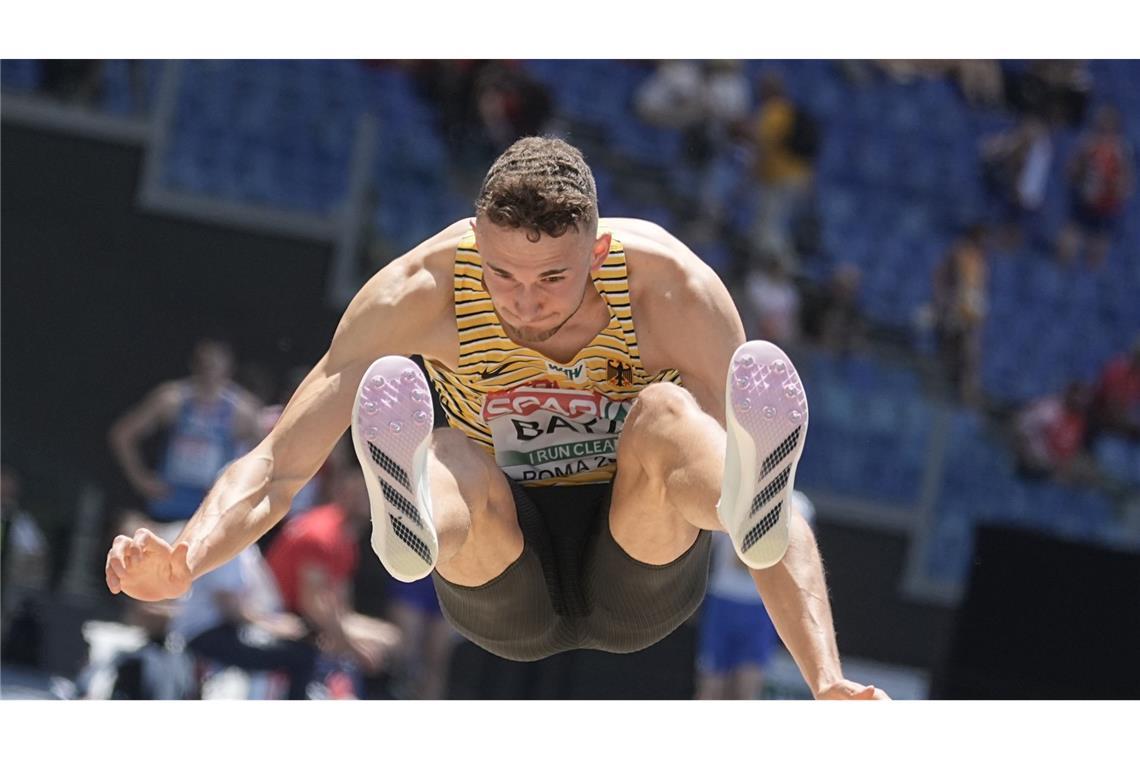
[766,415]
[392,421]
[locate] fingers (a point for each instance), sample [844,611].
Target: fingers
[148,542]
[870,692]
[113,584]
[851,690]
[125,555]
[116,566]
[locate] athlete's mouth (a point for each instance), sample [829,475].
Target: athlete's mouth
[530,323]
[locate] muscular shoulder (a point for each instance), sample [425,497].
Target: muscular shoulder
[671,289]
[658,262]
[425,271]
[666,277]
[410,300]
[167,398]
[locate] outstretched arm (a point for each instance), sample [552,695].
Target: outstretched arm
[705,329]
[795,595]
[390,315]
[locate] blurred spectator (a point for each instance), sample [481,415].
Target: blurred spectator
[774,301]
[959,291]
[209,420]
[426,639]
[450,86]
[831,315]
[232,616]
[672,97]
[511,104]
[705,100]
[1101,180]
[1050,433]
[151,671]
[1056,92]
[981,82]
[786,140]
[23,574]
[736,637]
[1116,402]
[1016,166]
[314,560]
[709,102]
[140,665]
[483,106]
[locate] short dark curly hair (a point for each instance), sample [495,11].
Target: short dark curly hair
[542,185]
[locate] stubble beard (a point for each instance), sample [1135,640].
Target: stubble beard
[530,335]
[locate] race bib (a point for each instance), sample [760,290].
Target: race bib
[541,431]
[195,461]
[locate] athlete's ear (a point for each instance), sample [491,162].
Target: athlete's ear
[601,250]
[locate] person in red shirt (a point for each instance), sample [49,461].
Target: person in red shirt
[1116,405]
[314,560]
[1101,180]
[1050,434]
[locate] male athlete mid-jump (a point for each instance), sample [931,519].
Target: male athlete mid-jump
[604,414]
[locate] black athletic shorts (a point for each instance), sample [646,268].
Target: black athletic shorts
[573,587]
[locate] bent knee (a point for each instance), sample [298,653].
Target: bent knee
[661,401]
[476,473]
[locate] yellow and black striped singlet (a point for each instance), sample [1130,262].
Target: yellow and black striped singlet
[545,423]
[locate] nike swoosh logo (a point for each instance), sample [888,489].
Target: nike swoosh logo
[499,371]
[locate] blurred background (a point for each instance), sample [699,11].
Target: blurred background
[949,250]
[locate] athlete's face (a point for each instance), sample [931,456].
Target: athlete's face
[537,287]
[211,362]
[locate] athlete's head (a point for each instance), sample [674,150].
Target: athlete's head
[212,361]
[537,228]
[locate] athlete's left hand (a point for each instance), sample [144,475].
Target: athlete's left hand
[850,690]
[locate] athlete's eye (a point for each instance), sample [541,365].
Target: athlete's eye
[554,279]
[501,275]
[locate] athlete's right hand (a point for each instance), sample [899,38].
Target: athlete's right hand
[147,568]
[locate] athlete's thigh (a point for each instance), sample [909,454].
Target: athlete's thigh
[642,520]
[473,509]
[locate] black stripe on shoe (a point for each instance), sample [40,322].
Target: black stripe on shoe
[412,540]
[770,491]
[783,450]
[396,499]
[760,529]
[390,467]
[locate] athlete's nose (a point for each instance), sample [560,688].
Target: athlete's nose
[527,308]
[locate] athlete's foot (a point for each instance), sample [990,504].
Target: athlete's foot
[391,424]
[766,415]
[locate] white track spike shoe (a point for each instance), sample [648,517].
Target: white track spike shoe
[391,426]
[766,415]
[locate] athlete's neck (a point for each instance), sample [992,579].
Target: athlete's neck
[205,390]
